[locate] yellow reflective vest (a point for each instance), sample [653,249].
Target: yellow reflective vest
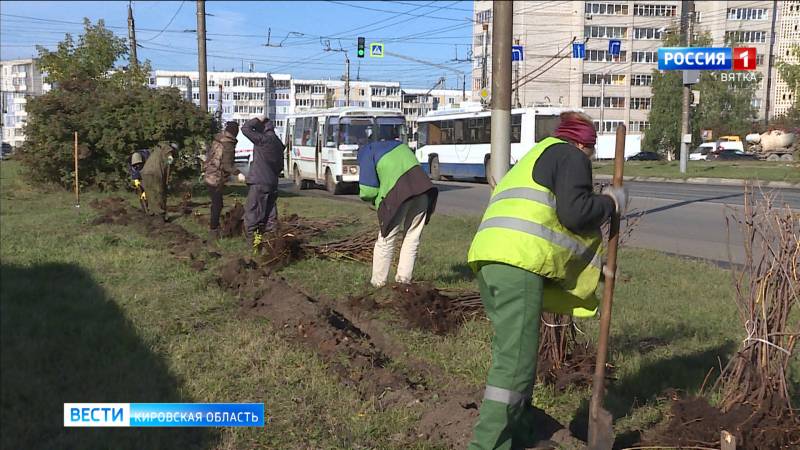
[520,228]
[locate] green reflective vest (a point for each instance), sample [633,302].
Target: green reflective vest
[520,228]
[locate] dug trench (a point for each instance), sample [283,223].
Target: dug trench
[354,345]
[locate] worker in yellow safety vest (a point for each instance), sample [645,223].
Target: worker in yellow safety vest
[537,248]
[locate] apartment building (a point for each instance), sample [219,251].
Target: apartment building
[239,96]
[788,36]
[21,79]
[313,94]
[611,89]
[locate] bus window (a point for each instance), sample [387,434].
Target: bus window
[433,133]
[447,131]
[310,131]
[459,131]
[299,124]
[422,133]
[516,128]
[391,128]
[478,131]
[331,129]
[545,126]
[355,131]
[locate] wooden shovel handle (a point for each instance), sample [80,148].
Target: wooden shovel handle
[609,271]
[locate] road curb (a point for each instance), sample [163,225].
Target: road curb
[706,181]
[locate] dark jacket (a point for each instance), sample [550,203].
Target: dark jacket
[219,161]
[389,175]
[135,173]
[267,152]
[567,171]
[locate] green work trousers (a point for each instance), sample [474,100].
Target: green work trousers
[512,298]
[156,190]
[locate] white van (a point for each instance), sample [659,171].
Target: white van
[701,152]
[244,153]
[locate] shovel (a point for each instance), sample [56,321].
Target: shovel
[601,432]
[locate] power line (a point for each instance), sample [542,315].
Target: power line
[168,23]
[395,12]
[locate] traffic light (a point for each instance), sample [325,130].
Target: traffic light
[361,46]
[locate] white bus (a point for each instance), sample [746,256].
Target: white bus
[456,142]
[322,145]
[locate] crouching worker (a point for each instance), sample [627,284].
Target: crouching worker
[392,180]
[135,169]
[537,248]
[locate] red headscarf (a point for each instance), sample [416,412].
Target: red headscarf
[576,130]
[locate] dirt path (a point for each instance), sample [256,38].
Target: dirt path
[355,346]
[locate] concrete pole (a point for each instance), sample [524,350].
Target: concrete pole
[347,79]
[201,54]
[770,61]
[132,37]
[687,25]
[502,24]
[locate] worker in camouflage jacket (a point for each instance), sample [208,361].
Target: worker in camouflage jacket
[218,167]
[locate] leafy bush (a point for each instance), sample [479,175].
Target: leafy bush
[113,112]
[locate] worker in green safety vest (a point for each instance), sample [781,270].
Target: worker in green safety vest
[538,248]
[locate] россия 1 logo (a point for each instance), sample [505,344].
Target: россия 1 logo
[706,58]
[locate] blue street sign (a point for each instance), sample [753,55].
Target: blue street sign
[614,47]
[376,50]
[516,53]
[579,50]
[695,58]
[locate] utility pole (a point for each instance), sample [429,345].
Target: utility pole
[502,15]
[516,80]
[132,36]
[201,54]
[219,105]
[347,79]
[483,56]
[771,57]
[687,24]
[603,103]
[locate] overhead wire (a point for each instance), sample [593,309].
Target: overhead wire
[167,25]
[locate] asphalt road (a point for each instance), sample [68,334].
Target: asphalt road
[677,218]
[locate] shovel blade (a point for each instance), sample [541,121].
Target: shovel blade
[601,430]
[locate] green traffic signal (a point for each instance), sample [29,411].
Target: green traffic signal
[361,45]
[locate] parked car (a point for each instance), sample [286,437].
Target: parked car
[645,156]
[733,155]
[708,150]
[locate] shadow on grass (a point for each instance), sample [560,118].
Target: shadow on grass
[679,373]
[458,272]
[64,340]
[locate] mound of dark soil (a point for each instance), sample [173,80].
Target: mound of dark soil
[694,422]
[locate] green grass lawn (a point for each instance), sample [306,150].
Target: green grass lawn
[104,314]
[749,170]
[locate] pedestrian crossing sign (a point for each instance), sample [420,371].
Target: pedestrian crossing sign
[376,50]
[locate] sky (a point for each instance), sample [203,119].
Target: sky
[299,32]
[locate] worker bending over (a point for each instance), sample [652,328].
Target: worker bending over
[391,178]
[154,178]
[537,248]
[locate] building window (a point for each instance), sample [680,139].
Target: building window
[606,9]
[747,14]
[645,57]
[638,126]
[745,37]
[640,102]
[318,89]
[227,83]
[756,103]
[642,79]
[195,83]
[595,31]
[647,10]
[484,16]
[195,96]
[647,33]
[604,56]
[608,126]
[597,78]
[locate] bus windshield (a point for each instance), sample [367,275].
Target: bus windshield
[391,128]
[356,131]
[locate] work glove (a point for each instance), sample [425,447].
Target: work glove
[143,196]
[137,184]
[170,160]
[241,177]
[620,197]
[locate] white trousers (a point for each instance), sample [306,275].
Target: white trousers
[408,222]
